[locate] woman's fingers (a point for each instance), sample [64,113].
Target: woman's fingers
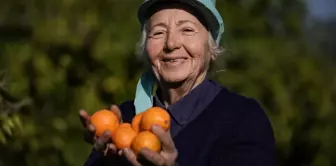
[131,157]
[102,142]
[120,152]
[152,156]
[166,157]
[111,149]
[115,109]
[84,117]
[169,152]
[89,135]
[104,145]
[165,138]
[91,128]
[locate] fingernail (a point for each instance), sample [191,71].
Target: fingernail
[127,150]
[91,128]
[113,106]
[107,133]
[111,147]
[120,152]
[155,127]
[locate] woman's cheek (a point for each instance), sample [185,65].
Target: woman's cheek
[195,48]
[153,50]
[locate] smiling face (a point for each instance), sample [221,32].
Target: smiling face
[177,45]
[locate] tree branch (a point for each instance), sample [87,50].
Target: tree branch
[10,103]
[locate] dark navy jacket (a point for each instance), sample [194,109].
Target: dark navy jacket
[211,126]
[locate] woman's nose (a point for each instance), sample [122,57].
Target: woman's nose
[173,42]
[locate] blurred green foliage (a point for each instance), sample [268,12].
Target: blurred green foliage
[57,57]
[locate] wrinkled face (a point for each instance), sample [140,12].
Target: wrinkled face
[177,45]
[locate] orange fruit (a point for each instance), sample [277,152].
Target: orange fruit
[124,136]
[155,116]
[136,122]
[104,120]
[146,139]
[124,125]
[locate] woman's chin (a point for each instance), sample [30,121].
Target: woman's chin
[174,78]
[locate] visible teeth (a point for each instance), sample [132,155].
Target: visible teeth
[172,60]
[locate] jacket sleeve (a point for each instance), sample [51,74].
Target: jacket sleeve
[252,141]
[96,159]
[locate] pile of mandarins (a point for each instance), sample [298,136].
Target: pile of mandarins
[136,135]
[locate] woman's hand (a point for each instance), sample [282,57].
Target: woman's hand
[166,157]
[102,144]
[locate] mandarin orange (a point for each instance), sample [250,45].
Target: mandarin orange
[155,116]
[125,125]
[136,122]
[124,136]
[146,139]
[104,120]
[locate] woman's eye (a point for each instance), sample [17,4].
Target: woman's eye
[187,30]
[157,33]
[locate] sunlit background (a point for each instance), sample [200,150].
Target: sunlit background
[58,56]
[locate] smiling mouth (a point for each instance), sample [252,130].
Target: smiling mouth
[171,60]
[174,60]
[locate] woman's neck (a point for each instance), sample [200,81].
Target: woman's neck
[171,93]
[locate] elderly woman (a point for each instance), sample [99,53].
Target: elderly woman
[210,125]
